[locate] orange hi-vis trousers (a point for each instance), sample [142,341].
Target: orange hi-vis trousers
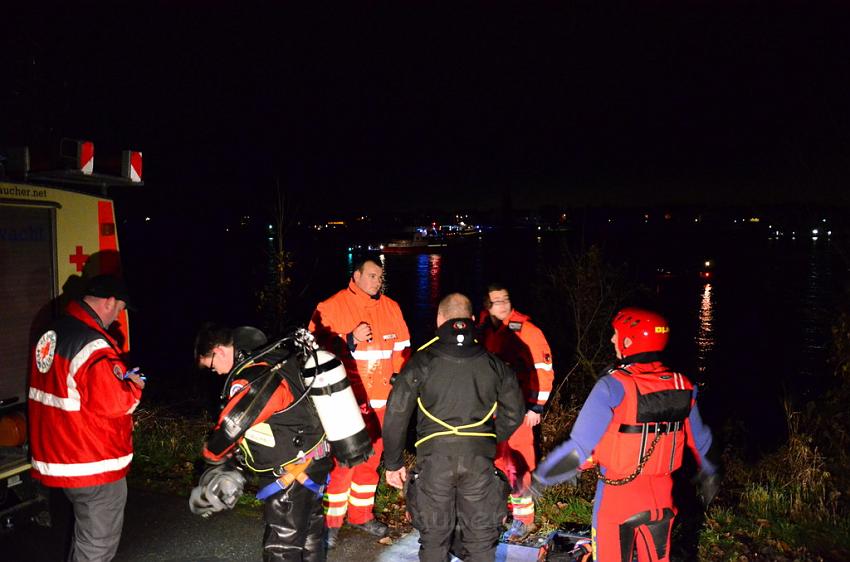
[352,490]
[515,457]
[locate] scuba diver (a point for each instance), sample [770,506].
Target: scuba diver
[268,426]
[468,400]
[633,428]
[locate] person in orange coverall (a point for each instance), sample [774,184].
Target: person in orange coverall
[365,328]
[512,337]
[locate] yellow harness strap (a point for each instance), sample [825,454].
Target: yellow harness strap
[455,430]
[427,343]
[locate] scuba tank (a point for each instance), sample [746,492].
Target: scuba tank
[327,386]
[331,394]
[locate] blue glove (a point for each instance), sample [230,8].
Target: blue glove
[133,371]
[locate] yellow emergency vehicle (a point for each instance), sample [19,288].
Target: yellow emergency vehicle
[57,229]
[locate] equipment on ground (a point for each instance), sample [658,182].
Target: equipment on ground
[572,545]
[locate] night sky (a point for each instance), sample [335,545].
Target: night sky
[386,108]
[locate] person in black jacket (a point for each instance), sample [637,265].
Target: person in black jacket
[468,400]
[285,444]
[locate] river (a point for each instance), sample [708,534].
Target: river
[754,335]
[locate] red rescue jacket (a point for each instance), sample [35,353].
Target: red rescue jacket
[657,402]
[81,427]
[522,345]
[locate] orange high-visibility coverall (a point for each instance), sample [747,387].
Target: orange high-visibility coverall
[370,366]
[523,346]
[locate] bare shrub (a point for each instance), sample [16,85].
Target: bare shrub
[583,292]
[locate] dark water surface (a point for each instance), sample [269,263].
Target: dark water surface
[755,334]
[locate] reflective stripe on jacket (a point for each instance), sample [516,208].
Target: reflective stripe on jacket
[523,346]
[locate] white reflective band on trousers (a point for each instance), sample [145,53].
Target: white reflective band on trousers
[337,511]
[362,502]
[337,498]
[520,510]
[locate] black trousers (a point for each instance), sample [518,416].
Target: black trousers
[295,526]
[463,491]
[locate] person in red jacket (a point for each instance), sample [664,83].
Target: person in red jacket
[510,335]
[81,400]
[365,328]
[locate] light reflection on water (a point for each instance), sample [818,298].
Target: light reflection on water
[790,287]
[705,331]
[427,294]
[815,311]
[434,261]
[761,326]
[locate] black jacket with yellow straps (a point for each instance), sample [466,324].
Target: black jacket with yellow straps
[455,380]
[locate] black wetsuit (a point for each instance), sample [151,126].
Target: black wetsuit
[457,381]
[282,435]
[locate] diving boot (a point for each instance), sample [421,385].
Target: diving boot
[373,527]
[331,537]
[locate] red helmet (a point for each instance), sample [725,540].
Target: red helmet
[647,330]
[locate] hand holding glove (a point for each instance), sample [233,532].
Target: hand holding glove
[536,488]
[219,488]
[708,485]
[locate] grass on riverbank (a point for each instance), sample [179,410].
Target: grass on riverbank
[789,506]
[167,449]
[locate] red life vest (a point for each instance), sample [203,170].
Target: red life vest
[657,403]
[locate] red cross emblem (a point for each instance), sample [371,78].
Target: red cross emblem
[78,258]
[44,351]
